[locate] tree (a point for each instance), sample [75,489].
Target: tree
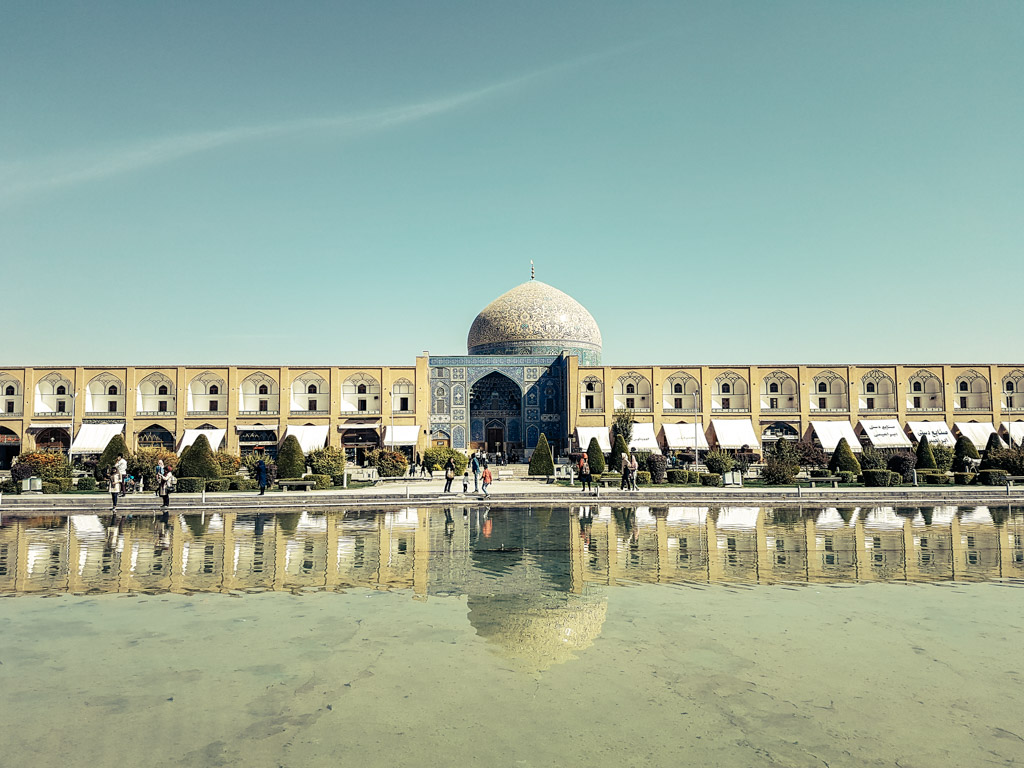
[718,462]
[903,463]
[925,457]
[964,449]
[992,457]
[388,463]
[843,459]
[540,461]
[943,457]
[116,447]
[622,424]
[326,461]
[198,461]
[290,460]
[595,457]
[810,455]
[142,464]
[872,458]
[615,459]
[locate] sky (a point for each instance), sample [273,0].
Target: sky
[350,183]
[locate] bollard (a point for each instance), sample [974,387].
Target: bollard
[407,490]
[204,494]
[344,480]
[598,494]
[799,490]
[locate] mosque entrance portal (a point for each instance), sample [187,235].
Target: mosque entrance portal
[496,414]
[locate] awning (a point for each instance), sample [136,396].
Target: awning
[256,428]
[936,431]
[679,436]
[93,438]
[644,438]
[358,425]
[1014,430]
[585,434]
[831,432]
[402,434]
[310,438]
[977,433]
[51,425]
[215,436]
[735,433]
[885,433]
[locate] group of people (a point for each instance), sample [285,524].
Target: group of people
[630,467]
[119,481]
[482,478]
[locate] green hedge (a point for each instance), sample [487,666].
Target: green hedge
[87,483]
[992,476]
[48,487]
[934,478]
[9,486]
[882,478]
[820,473]
[242,484]
[710,478]
[190,484]
[338,479]
[963,478]
[643,478]
[437,456]
[848,477]
[678,476]
[323,482]
[221,484]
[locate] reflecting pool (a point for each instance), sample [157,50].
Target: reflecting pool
[497,636]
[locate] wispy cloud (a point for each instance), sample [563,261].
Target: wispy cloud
[20,180]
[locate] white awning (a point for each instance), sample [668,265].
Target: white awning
[885,433]
[1015,431]
[256,428]
[51,425]
[402,434]
[358,425]
[936,431]
[215,436]
[93,438]
[585,434]
[310,438]
[831,432]
[679,436]
[975,432]
[735,433]
[644,438]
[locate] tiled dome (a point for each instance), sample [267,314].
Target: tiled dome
[535,319]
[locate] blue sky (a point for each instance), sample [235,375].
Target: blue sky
[350,183]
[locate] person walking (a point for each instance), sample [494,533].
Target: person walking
[165,482]
[427,469]
[487,480]
[624,483]
[585,476]
[261,476]
[474,465]
[634,467]
[449,474]
[122,470]
[114,488]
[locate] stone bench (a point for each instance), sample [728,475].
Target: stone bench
[506,474]
[833,481]
[304,484]
[1011,479]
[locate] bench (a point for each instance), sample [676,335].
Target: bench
[607,482]
[834,481]
[506,474]
[304,484]
[1011,479]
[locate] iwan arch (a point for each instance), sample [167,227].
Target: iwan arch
[533,367]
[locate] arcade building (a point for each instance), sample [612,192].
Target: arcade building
[533,366]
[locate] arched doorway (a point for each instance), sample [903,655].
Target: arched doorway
[496,414]
[155,436]
[53,439]
[10,446]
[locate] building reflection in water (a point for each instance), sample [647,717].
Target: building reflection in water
[535,579]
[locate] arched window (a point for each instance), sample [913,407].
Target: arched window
[162,389]
[62,390]
[630,389]
[361,389]
[726,388]
[964,386]
[677,389]
[264,389]
[1009,388]
[214,389]
[112,390]
[590,386]
[311,389]
[773,388]
[822,386]
[917,386]
[10,390]
[870,387]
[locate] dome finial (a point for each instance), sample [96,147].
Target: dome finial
[533,274]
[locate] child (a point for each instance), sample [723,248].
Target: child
[465,481]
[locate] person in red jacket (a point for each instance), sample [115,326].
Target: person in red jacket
[486,480]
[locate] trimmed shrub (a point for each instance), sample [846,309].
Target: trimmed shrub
[872,458]
[903,464]
[848,477]
[678,476]
[718,463]
[540,461]
[44,465]
[615,459]
[963,478]
[48,487]
[64,484]
[338,479]
[657,466]
[710,478]
[190,484]
[227,462]
[324,482]
[925,457]
[843,459]
[643,477]
[964,448]
[142,463]
[116,447]
[9,486]
[388,463]
[437,456]
[934,478]
[595,458]
[881,478]
[242,484]
[992,476]
[326,461]
[198,461]
[221,484]
[779,472]
[820,473]
[290,460]
[943,455]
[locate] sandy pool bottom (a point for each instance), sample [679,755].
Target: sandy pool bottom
[882,674]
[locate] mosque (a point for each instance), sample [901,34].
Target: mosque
[533,366]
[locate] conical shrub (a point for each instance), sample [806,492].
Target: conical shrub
[595,457]
[843,459]
[540,461]
[291,462]
[116,447]
[198,461]
[618,448]
[925,457]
